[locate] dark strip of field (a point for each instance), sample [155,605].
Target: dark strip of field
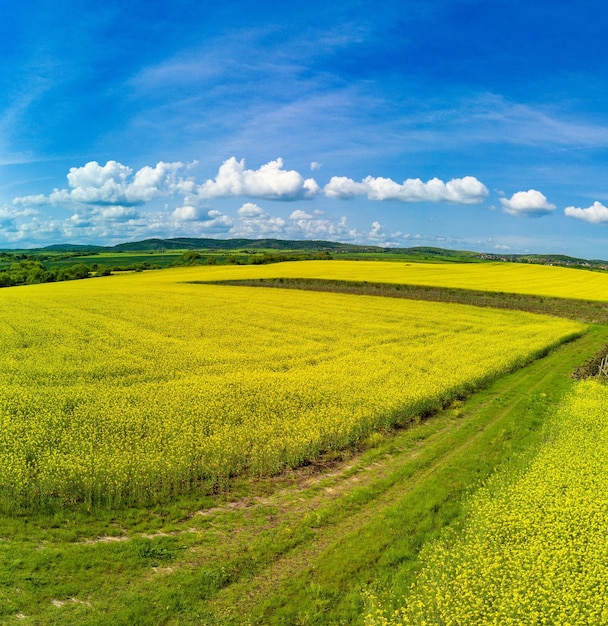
[581,310]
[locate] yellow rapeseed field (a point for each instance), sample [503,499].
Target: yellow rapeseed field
[535,548]
[519,278]
[133,388]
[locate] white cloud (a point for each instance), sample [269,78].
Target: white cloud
[109,225]
[92,175]
[375,233]
[254,223]
[118,214]
[316,228]
[378,237]
[217,221]
[112,184]
[80,221]
[151,182]
[315,165]
[467,190]
[199,220]
[298,214]
[214,222]
[186,221]
[251,210]
[270,182]
[187,213]
[597,213]
[343,188]
[531,203]
[10,213]
[10,218]
[37,200]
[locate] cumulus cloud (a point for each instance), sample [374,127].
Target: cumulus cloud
[118,214]
[379,237]
[375,233]
[187,213]
[216,221]
[311,227]
[116,184]
[117,224]
[270,182]
[298,214]
[467,190]
[112,184]
[249,209]
[597,213]
[199,220]
[37,200]
[343,188]
[254,223]
[9,217]
[531,203]
[8,212]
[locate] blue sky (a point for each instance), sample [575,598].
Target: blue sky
[469,124]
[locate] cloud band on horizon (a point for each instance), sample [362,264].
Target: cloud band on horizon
[114,184]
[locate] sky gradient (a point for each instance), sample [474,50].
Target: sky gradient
[461,124]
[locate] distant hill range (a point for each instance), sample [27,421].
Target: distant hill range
[191,243]
[421,252]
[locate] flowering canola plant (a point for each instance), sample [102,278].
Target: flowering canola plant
[535,547]
[131,389]
[541,280]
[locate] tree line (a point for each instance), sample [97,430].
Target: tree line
[30,271]
[22,269]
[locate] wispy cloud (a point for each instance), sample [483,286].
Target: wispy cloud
[485,118]
[527,124]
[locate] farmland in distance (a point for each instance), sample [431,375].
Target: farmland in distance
[517,278]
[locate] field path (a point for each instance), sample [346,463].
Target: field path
[373,513]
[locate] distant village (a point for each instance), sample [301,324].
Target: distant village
[563,261]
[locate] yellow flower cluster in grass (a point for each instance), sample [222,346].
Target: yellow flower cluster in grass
[535,549]
[134,388]
[519,278]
